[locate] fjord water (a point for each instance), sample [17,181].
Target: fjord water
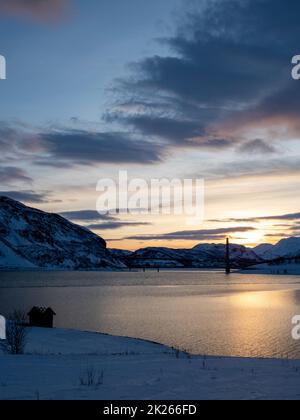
[203,312]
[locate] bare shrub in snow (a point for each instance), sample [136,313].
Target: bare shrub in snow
[16,333]
[91,377]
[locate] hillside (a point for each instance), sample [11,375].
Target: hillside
[30,238]
[289,248]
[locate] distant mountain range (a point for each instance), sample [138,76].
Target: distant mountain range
[201,256]
[32,239]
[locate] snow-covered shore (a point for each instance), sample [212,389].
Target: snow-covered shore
[58,364]
[291,269]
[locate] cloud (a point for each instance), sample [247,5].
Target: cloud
[226,75]
[291,216]
[45,10]
[85,148]
[85,215]
[257,146]
[19,141]
[115,225]
[67,148]
[8,137]
[27,196]
[287,217]
[170,129]
[175,132]
[193,235]
[228,71]
[109,222]
[250,165]
[277,235]
[10,174]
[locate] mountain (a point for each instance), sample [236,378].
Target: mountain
[239,254]
[263,249]
[201,256]
[30,238]
[157,257]
[289,247]
[120,253]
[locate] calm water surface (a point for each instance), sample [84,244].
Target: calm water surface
[201,312]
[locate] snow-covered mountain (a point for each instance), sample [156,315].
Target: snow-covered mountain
[30,238]
[120,256]
[157,257]
[263,249]
[120,253]
[238,253]
[289,247]
[202,256]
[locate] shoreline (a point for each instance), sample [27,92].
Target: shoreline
[274,271]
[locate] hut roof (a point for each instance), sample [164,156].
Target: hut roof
[40,311]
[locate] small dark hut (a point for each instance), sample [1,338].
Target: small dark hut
[41,317]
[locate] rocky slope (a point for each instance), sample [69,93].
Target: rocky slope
[30,238]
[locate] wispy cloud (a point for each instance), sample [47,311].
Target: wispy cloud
[63,148]
[9,174]
[82,147]
[193,235]
[249,165]
[29,196]
[85,215]
[257,146]
[288,217]
[115,225]
[101,222]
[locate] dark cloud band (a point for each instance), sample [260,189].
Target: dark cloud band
[193,235]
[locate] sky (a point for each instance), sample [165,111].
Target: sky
[186,89]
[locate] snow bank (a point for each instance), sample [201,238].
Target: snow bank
[57,361]
[275,269]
